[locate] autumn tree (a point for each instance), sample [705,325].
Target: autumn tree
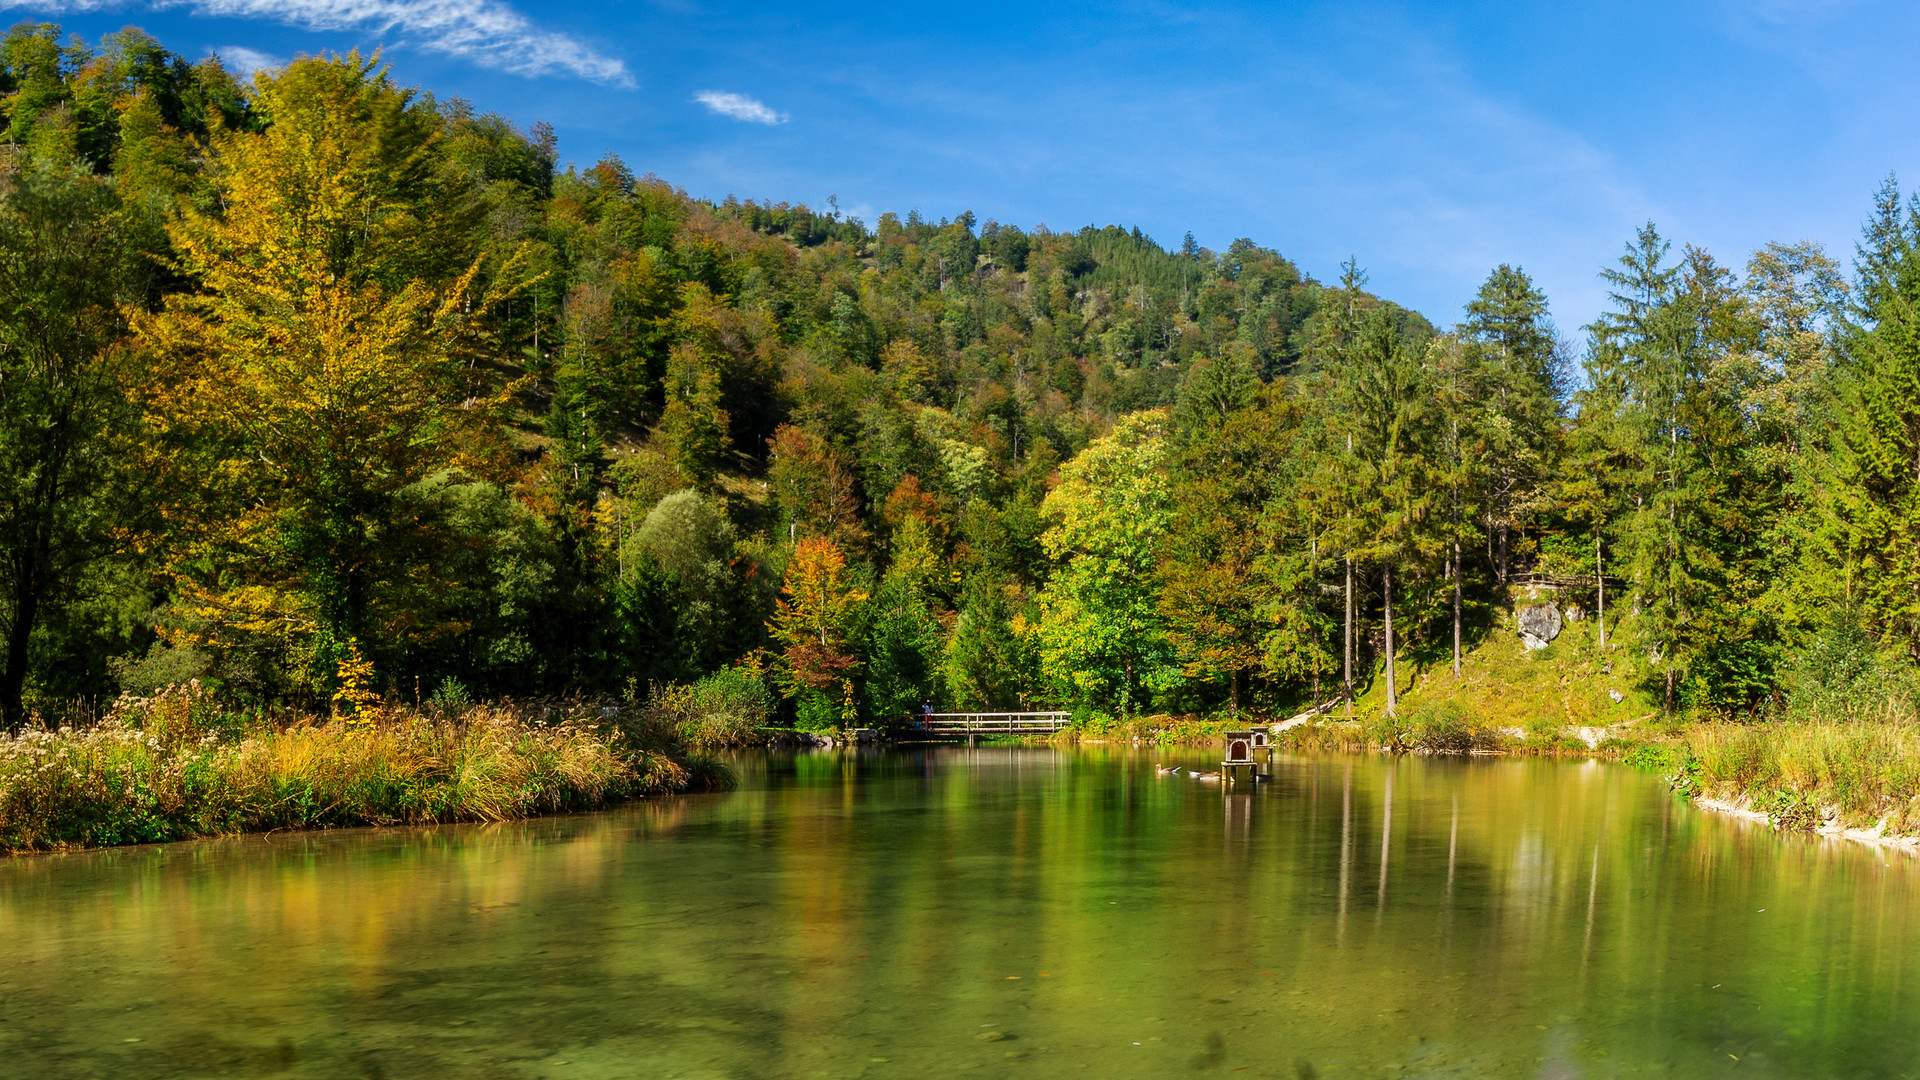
[335,353]
[817,664]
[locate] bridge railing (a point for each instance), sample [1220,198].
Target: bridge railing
[990,722]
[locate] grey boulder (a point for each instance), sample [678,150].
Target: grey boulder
[1539,625]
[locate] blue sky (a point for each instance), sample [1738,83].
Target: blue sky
[1431,141]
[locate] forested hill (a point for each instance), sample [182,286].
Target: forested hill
[312,383]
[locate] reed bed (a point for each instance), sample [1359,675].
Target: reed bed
[181,765]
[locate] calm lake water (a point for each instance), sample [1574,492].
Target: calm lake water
[990,912]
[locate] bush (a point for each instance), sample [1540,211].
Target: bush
[1439,728]
[727,708]
[1842,676]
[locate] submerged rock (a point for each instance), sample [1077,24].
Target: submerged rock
[1539,625]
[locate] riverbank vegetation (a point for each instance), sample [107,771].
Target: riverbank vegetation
[182,764]
[311,381]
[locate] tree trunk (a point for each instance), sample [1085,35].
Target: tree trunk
[1600,582]
[1233,690]
[1503,553]
[1347,634]
[13,677]
[1386,588]
[1456,606]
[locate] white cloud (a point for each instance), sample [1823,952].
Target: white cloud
[487,32]
[243,61]
[739,107]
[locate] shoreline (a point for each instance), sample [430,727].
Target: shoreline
[1876,836]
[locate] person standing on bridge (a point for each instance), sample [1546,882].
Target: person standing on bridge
[926,713]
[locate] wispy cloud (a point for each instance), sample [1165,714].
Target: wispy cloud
[739,107]
[243,61]
[487,32]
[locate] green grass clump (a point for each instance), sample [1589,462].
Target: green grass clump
[1438,727]
[180,765]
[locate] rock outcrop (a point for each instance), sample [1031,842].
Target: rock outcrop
[1539,625]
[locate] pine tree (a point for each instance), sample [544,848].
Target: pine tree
[1873,506]
[1512,356]
[1382,411]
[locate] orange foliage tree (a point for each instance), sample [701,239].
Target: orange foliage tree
[811,624]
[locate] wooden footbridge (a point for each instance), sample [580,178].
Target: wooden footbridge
[990,723]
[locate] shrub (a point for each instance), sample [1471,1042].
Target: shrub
[727,708]
[1842,676]
[1439,728]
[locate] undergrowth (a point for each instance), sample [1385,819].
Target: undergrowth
[182,764]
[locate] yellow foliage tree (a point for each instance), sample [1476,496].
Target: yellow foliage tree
[817,603]
[333,357]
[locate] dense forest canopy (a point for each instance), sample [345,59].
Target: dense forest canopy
[312,380]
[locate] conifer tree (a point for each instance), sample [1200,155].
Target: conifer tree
[1512,356]
[1873,506]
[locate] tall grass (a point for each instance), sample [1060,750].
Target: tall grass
[1862,771]
[180,765]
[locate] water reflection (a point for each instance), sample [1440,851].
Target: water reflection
[1011,912]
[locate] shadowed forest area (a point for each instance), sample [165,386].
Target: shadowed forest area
[321,391]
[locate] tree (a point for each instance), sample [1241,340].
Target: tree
[814,488]
[1512,362]
[689,542]
[330,360]
[903,638]
[812,625]
[1102,638]
[1381,412]
[1215,589]
[694,424]
[1873,506]
[67,496]
[1663,410]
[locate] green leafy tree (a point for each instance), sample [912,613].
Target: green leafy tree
[1102,637]
[68,497]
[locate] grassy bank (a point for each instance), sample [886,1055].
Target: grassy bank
[1860,774]
[182,765]
[1574,700]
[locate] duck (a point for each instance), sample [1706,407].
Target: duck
[1166,770]
[1205,775]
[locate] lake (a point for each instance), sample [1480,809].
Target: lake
[992,911]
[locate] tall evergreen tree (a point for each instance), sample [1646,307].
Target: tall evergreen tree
[1513,357]
[1873,507]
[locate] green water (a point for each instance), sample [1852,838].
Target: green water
[992,912]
